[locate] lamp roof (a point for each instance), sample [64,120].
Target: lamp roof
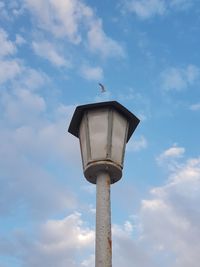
[80,110]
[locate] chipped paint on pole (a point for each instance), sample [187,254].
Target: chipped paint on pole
[103,222]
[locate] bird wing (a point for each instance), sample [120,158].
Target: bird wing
[102,87]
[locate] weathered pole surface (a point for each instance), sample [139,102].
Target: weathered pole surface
[103,222]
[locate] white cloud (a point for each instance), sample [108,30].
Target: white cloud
[140,102]
[173,152]
[128,226]
[171,217]
[74,20]
[23,127]
[91,189]
[68,233]
[46,50]
[13,69]
[30,140]
[179,78]
[100,43]
[9,70]
[16,8]
[92,73]
[69,242]
[3,11]
[192,73]
[33,133]
[90,262]
[10,9]
[181,4]
[146,9]
[169,230]
[21,76]
[60,17]
[19,40]
[57,243]
[195,107]
[126,250]
[22,106]
[7,47]
[170,154]
[31,79]
[137,144]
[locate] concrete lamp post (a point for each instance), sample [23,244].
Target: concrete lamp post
[103,130]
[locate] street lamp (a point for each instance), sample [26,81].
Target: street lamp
[103,130]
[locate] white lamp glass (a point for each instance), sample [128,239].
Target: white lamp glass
[119,137]
[83,141]
[98,133]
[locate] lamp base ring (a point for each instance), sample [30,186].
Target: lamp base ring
[95,167]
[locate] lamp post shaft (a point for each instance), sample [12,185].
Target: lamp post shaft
[103,222]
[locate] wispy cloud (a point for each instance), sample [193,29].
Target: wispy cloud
[75,21]
[20,40]
[140,102]
[27,137]
[7,47]
[181,4]
[61,18]
[178,79]
[14,69]
[195,107]
[175,208]
[137,144]
[9,69]
[89,262]
[59,242]
[91,73]
[127,250]
[3,11]
[146,9]
[171,153]
[99,42]
[47,50]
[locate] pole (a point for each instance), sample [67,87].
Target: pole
[103,222]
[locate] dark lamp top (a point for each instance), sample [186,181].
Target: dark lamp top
[79,112]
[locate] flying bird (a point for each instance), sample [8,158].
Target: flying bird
[103,89]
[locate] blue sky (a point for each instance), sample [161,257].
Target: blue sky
[53,54]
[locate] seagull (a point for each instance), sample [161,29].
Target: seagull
[102,88]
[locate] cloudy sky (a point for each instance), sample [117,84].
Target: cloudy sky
[53,53]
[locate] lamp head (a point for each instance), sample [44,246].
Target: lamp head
[103,130]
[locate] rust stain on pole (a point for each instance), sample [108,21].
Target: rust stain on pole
[108,182]
[110,244]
